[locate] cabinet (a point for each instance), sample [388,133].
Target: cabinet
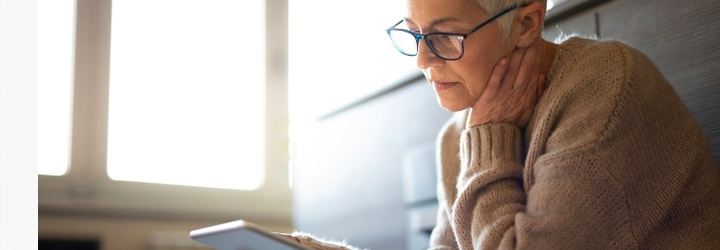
[348,173]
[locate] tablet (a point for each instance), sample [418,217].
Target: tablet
[243,235]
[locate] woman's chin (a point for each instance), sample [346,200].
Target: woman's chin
[452,106]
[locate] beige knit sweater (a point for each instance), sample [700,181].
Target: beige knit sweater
[611,159]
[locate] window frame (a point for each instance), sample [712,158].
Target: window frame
[86,189]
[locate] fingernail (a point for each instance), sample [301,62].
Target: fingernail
[503,61]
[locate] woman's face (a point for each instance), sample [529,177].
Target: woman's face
[458,84]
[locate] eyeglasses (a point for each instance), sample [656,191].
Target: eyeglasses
[447,46]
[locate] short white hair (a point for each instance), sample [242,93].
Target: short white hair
[504,22]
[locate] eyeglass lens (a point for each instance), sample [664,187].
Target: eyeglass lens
[404,42]
[443,45]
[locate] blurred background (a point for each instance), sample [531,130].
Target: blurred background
[157,117]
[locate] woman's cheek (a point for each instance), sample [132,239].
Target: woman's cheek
[477,80]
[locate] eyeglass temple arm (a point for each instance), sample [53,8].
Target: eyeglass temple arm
[396,24]
[492,18]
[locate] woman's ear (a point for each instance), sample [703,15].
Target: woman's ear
[531,18]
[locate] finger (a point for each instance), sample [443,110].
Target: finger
[494,83]
[528,70]
[514,67]
[530,102]
[534,91]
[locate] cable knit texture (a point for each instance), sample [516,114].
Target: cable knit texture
[611,159]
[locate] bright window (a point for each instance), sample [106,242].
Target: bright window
[339,56]
[187,87]
[56,19]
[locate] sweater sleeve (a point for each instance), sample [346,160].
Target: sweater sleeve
[489,187]
[442,237]
[572,206]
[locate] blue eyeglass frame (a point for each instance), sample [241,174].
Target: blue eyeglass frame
[432,47]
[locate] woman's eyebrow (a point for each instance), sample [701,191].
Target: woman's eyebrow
[434,22]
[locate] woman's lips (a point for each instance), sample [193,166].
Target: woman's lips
[443,85]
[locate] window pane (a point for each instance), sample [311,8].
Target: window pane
[56,19]
[187,86]
[358,60]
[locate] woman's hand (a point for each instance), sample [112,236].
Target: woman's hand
[512,91]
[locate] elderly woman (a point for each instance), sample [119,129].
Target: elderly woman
[578,145]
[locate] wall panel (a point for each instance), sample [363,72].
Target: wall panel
[681,38]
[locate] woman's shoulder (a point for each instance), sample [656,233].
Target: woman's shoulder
[607,64]
[601,85]
[611,62]
[585,45]
[588,54]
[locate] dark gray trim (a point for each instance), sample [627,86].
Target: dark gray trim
[569,8]
[410,78]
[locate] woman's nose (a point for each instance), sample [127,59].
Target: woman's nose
[426,58]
